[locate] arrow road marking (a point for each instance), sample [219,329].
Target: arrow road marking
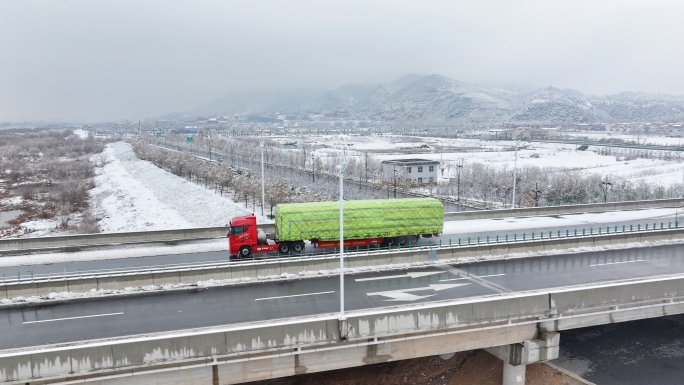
[403,295]
[407,275]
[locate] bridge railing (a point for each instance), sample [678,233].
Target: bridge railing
[350,253]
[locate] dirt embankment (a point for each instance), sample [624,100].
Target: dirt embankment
[465,368]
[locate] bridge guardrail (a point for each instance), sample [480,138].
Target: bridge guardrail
[39,243]
[668,230]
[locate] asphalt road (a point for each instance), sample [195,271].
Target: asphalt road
[223,256]
[112,317]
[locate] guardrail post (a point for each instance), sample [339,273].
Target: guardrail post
[524,237]
[31,275]
[487,239]
[591,231]
[478,239]
[551,234]
[600,230]
[420,244]
[533,235]
[639,227]
[459,242]
[567,233]
[449,242]
[631,229]
[468,241]
[440,243]
[669,225]
[18,276]
[575,232]
[615,229]
[661,225]
[583,232]
[515,237]
[497,238]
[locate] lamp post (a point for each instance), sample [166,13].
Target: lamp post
[604,186]
[395,181]
[313,169]
[263,189]
[536,192]
[340,170]
[459,166]
[515,165]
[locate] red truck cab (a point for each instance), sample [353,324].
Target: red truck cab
[243,238]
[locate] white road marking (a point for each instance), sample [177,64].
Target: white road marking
[615,263]
[411,275]
[70,318]
[473,276]
[295,295]
[403,295]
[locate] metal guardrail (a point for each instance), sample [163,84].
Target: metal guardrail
[40,243]
[566,209]
[303,257]
[18,244]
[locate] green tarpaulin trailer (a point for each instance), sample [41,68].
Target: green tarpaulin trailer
[377,218]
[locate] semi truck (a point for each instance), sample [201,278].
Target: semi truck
[382,222]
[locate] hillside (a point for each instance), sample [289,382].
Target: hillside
[435,97]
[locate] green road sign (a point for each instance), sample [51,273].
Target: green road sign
[158,134]
[189,139]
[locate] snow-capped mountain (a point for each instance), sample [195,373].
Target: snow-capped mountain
[435,97]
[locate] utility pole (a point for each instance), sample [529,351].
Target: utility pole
[459,166]
[367,171]
[395,181]
[605,185]
[263,181]
[313,169]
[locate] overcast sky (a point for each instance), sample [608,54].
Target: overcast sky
[105,60]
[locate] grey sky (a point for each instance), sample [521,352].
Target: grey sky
[97,60]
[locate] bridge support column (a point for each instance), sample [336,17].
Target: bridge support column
[513,375]
[517,356]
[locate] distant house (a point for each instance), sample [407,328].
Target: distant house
[418,171]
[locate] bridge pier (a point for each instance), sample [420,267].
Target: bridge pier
[517,356]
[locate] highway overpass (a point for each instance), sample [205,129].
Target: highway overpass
[516,308]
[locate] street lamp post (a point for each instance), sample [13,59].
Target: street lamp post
[341,168]
[515,165]
[536,194]
[605,185]
[459,166]
[263,188]
[395,181]
[313,169]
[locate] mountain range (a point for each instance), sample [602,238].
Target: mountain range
[435,97]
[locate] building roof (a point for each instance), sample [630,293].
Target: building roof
[411,162]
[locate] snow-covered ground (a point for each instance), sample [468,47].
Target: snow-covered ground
[134,195]
[499,154]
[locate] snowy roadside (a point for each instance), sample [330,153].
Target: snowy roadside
[134,195]
[65,296]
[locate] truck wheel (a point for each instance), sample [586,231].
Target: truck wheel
[298,247]
[402,240]
[245,251]
[284,248]
[413,239]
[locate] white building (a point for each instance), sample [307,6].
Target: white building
[419,171]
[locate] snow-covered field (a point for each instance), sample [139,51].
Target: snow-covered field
[498,154]
[134,195]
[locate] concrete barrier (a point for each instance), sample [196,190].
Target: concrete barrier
[296,265]
[558,210]
[259,351]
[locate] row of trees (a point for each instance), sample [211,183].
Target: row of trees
[243,185]
[477,183]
